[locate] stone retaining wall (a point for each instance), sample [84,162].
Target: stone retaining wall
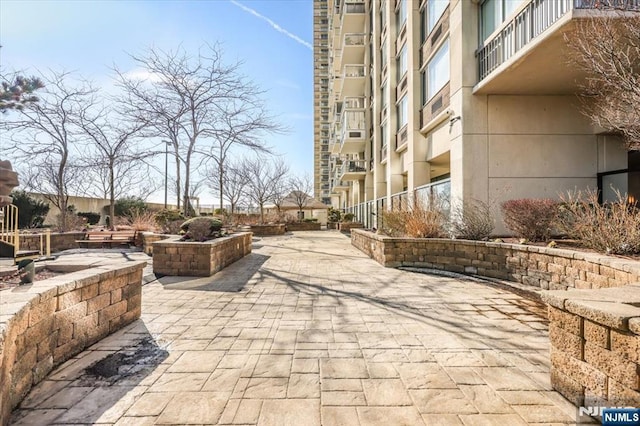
[46,323]
[148,238]
[542,267]
[348,226]
[304,226]
[268,230]
[177,258]
[595,345]
[59,241]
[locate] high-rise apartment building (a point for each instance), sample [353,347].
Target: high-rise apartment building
[469,99]
[321,121]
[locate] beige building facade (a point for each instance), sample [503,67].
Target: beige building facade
[470,99]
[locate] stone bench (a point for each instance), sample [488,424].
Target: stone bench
[46,323]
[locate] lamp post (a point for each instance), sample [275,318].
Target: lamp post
[166,171]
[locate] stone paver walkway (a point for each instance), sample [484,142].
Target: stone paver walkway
[307,331]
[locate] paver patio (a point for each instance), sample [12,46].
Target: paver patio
[305,331]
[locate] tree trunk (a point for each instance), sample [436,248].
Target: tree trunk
[220,182]
[261,213]
[186,204]
[112,198]
[178,182]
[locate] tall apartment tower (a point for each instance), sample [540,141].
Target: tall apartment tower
[468,99]
[321,121]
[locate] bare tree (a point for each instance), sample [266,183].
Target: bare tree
[263,176]
[280,190]
[301,186]
[111,136]
[187,99]
[607,49]
[232,187]
[45,138]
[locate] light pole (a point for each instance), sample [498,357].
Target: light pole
[166,170]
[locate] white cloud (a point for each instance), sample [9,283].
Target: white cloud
[272,24]
[143,75]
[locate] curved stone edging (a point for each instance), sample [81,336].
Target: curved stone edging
[543,267]
[184,258]
[46,323]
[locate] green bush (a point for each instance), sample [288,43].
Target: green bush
[348,217]
[92,218]
[310,219]
[31,212]
[334,215]
[531,218]
[201,228]
[127,206]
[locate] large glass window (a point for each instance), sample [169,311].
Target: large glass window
[402,14]
[402,62]
[435,8]
[383,95]
[437,74]
[403,112]
[494,12]
[383,54]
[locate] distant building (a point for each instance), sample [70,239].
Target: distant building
[465,98]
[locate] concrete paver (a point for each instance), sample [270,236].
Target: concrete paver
[307,330]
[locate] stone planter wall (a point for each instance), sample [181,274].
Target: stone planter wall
[50,321]
[268,230]
[59,241]
[542,267]
[304,226]
[177,258]
[348,226]
[595,345]
[332,225]
[148,238]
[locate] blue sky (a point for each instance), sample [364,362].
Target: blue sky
[90,36]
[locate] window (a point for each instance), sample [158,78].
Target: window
[383,94]
[435,8]
[403,112]
[494,12]
[383,135]
[437,74]
[402,62]
[383,55]
[402,15]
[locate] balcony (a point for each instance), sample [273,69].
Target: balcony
[353,48]
[352,16]
[353,80]
[512,58]
[354,131]
[353,170]
[339,186]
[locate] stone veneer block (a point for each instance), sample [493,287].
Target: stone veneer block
[46,323]
[178,258]
[541,267]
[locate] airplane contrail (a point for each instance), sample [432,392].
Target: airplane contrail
[272,24]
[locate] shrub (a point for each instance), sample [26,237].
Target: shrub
[169,220]
[348,217]
[612,228]
[530,218]
[127,206]
[416,221]
[31,212]
[334,215]
[310,219]
[201,228]
[72,222]
[472,220]
[92,218]
[140,221]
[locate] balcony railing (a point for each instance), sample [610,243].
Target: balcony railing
[354,71]
[534,19]
[352,6]
[354,166]
[353,124]
[353,39]
[383,152]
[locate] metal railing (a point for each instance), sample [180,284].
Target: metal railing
[9,232]
[354,166]
[533,20]
[353,39]
[354,71]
